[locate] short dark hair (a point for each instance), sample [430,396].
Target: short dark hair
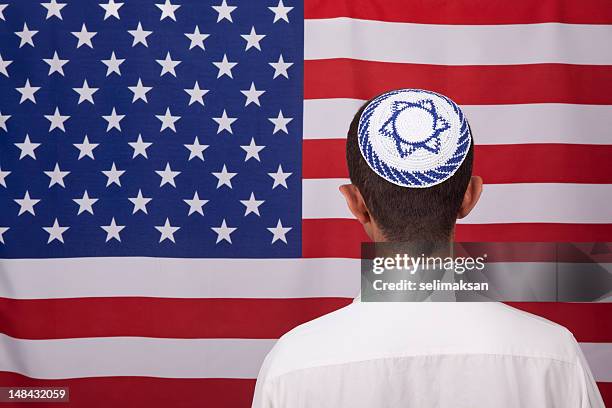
[403,213]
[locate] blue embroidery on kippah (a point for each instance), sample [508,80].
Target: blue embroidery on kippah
[406,148]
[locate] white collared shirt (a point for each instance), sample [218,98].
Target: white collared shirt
[430,354]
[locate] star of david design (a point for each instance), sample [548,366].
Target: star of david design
[430,142]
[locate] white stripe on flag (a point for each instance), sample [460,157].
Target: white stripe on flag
[133,356]
[172,358]
[599,357]
[499,203]
[64,278]
[457,44]
[491,124]
[178,278]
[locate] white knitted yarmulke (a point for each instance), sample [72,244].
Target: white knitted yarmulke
[414,137]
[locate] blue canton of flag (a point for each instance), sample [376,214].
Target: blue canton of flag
[150,128]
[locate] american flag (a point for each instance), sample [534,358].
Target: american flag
[169,172]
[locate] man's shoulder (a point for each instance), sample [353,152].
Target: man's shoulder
[305,345]
[541,325]
[367,331]
[468,322]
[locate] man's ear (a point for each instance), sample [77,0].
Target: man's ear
[355,203]
[471,196]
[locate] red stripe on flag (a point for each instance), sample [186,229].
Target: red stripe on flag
[465,84]
[534,232]
[324,158]
[341,238]
[159,317]
[520,163]
[140,392]
[589,322]
[605,388]
[332,238]
[465,11]
[174,318]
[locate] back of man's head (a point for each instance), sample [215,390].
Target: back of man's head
[407,213]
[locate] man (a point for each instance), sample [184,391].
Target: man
[410,154]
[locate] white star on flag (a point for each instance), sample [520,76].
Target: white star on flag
[113,120]
[112,230]
[26,35]
[53,9]
[56,64]
[281,67]
[279,232]
[57,120]
[26,204]
[2,7]
[197,38]
[140,91]
[140,203]
[195,204]
[27,148]
[252,150]
[113,175]
[111,9]
[167,231]
[86,148]
[196,149]
[3,175]
[224,11]
[167,10]
[27,92]
[84,36]
[252,205]
[223,232]
[3,65]
[280,12]
[140,35]
[168,65]
[225,67]
[113,64]
[280,123]
[85,93]
[196,94]
[253,39]
[85,203]
[252,95]
[224,177]
[167,176]
[3,119]
[55,232]
[2,231]
[56,176]
[224,122]
[280,177]
[140,147]
[167,120]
